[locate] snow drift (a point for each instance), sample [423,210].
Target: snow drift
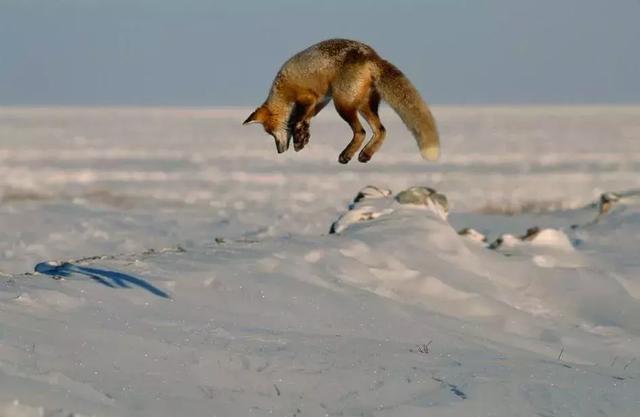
[224,294]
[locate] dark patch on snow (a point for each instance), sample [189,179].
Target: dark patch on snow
[106,277]
[452,387]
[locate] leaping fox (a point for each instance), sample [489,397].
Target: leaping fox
[356,78]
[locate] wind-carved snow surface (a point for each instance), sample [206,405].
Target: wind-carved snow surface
[183,268]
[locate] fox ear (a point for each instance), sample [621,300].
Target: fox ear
[259,115]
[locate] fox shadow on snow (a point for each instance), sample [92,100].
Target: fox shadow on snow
[108,278]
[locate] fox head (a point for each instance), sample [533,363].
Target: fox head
[274,123]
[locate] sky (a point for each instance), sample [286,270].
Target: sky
[226,53]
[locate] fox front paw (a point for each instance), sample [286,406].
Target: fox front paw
[301,135]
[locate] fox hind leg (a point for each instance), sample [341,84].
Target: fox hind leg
[352,92]
[369,110]
[350,115]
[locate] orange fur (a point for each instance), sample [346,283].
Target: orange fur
[356,78]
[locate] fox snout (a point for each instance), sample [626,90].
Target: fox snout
[263,116]
[283,139]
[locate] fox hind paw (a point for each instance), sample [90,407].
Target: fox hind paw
[364,157]
[344,159]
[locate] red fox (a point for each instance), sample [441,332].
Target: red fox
[356,78]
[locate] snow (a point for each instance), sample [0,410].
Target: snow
[163,262]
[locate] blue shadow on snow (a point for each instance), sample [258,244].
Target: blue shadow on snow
[111,279]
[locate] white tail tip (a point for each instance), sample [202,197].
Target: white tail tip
[430,153]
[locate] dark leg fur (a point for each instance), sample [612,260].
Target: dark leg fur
[299,122]
[301,135]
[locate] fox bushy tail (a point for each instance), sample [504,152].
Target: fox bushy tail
[405,100]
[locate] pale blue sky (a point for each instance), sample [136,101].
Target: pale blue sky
[198,52]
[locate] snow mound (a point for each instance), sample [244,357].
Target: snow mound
[404,248]
[473,235]
[372,202]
